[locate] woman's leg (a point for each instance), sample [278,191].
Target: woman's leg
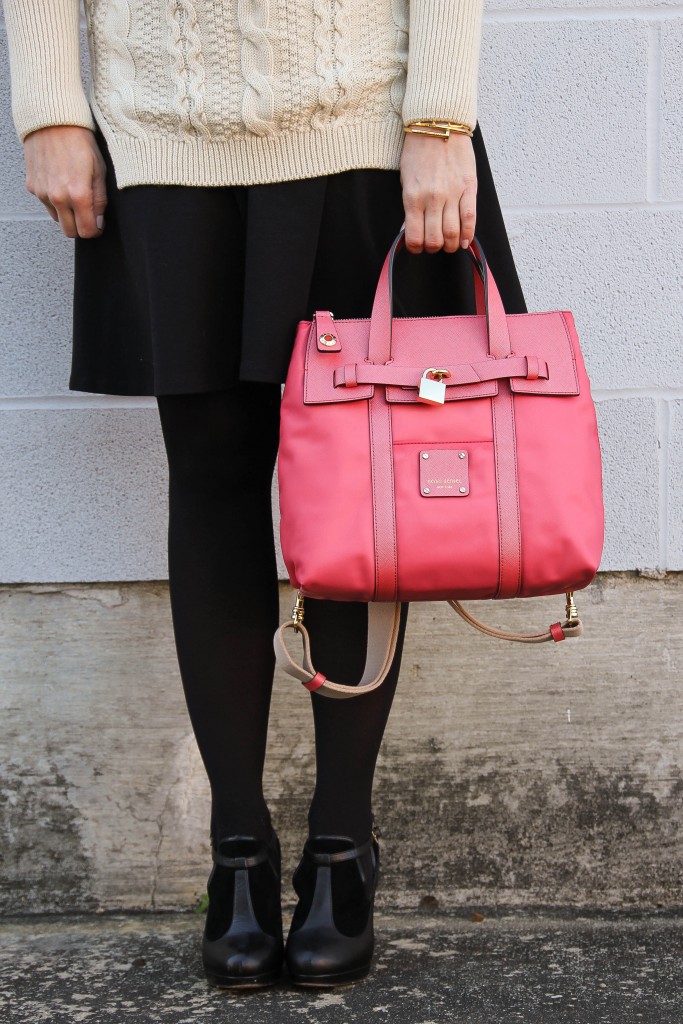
[331,937]
[221,449]
[348,733]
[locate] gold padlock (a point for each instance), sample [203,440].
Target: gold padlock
[432,388]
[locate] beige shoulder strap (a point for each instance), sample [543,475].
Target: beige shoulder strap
[383,623]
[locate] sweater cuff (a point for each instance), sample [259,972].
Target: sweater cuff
[44,56]
[444,44]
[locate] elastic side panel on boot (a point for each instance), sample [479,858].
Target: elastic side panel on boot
[351,898]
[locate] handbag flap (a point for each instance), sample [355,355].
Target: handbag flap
[552,336]
[458,343]
[320,366]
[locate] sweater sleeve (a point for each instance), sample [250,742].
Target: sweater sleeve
[44,51]
[444,42]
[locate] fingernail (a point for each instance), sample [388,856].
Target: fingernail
[100,222]
[465,244]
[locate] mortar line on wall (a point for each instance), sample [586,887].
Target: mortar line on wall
[662,423]
[652,112]
[598,206]
[29,402]
[659,394]
[26,216]
[527,14]
[663,206]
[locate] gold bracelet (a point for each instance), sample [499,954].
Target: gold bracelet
[443,128]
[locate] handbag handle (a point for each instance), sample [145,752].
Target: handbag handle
[479,268]
[487,296]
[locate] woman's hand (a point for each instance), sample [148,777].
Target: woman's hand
[439,181]
[66,171]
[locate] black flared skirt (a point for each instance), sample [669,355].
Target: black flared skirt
[192,288]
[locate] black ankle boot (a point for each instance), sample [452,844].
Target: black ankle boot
[242,944]
[331,938]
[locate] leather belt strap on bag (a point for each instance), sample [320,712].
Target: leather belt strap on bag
[505,448]
[381,454]
[530,367]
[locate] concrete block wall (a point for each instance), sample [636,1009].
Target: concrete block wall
[581,107]
[507,776]
[549,779]
[582,114]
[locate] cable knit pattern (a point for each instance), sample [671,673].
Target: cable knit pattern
[148,76]
[242,92]
[258,63]
[399,13]
[343,59]
[327,91]
[188,65]
[120,99]
[333,62]
[216,88]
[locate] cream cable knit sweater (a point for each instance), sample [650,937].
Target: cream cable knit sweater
[228,92]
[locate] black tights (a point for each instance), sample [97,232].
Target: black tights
[221,449]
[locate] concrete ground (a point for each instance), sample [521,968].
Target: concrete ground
[532,967]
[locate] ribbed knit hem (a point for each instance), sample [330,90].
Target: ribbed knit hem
[257,159]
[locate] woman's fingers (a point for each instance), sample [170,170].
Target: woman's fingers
[468,212]
[51,210]
[66,172]
[439,192]
[99,191]
[75,209]
[85,202]
[433,221]
[438,226]
[67,219]
[451,226]
[87,205]
[414,219]
[79,215]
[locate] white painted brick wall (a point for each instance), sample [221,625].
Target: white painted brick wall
[581,107]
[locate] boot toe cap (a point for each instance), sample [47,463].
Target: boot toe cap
[328,954]
[243,956]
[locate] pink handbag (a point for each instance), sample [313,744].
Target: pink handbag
[436,458]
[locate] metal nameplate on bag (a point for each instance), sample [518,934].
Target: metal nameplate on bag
[432,388]
[444,473]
